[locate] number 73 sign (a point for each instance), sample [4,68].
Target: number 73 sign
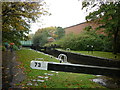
[39,65]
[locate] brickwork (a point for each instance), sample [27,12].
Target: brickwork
[76,29]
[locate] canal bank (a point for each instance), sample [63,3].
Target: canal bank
[11,73]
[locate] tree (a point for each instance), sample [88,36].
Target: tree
[49,30]
[30,36]
[42,34]
[40,37]
[108,15]
[60,32]
[16,19]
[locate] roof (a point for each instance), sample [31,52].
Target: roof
[75,25]
[51,39]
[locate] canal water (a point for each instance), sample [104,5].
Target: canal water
[108,82]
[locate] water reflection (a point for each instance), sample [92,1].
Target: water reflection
[107,81]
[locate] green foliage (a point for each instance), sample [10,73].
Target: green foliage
[40,37]
[108,15]
[88,28]
[3,48]
[30,36]
[15,47]
[50,31]
[16,19]
[80,42]
[60,32]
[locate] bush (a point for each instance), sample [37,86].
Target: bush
[3,48]
[81,41]
[15,47]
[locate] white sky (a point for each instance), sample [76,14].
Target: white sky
[65,13]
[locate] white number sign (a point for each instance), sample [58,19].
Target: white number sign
[39,65]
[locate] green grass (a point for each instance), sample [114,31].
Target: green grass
[108,55]
[58,80]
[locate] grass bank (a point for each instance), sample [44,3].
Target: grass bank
[108,55]
[51,79]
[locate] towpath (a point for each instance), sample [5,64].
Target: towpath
[11,73]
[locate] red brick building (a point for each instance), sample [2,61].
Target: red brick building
[76,29]
[50,39]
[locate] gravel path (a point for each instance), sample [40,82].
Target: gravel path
[11,74]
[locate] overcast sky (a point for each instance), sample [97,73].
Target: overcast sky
[64,13]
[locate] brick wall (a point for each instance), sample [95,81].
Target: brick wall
[76,29]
